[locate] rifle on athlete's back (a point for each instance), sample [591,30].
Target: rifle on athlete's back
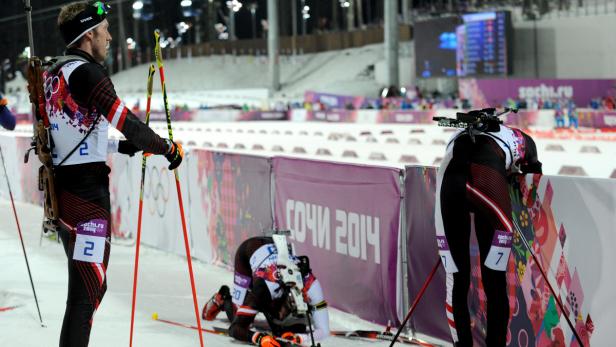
[42,142]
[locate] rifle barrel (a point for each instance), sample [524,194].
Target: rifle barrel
[28,8]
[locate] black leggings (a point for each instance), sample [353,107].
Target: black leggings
[82,198]
[475,181]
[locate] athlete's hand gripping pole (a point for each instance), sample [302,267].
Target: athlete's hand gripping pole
[143,165]
[159,61]
[23,247]
[416,301]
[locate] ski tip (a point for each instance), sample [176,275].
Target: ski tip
[155,316]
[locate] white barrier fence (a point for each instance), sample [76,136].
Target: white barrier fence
[219,209]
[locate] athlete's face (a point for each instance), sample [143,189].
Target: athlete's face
[100,41]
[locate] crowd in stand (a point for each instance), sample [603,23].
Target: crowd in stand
[414,100]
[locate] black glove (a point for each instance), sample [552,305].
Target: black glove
[534,167]
[174,154]
[126,147]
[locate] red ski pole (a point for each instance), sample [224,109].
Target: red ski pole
[416,301]
[159,61]
[143,165]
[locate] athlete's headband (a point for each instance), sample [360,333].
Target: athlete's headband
[88,19]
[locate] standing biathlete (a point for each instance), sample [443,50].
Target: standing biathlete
[473,177]
[257,288]
[81,104]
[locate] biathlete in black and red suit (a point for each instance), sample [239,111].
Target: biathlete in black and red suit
[81,104]
[473,177]
[257,289]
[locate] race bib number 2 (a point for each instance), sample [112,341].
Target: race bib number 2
[90,242]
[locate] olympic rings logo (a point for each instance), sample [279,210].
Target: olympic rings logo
[51,86]
[157,189]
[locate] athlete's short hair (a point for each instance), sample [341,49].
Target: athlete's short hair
[68,12]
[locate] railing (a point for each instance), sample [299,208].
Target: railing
[315,43]
[578,8]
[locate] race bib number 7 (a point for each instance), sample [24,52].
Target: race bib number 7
[91,240]
[498,257]
[445,254]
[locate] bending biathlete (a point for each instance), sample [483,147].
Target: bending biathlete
[473,178]
[258,288]
[81,104]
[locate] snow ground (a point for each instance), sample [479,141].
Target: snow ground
[163,288]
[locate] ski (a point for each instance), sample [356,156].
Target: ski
[188,326]
[363,334]
[377,335]
[215,330]
[8,308]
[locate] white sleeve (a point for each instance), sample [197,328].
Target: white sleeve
[320,316]
[112,146]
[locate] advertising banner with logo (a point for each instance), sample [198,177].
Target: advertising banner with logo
[335,101]
[419,195]
[569,223]
[340,116]
[346,219]
[491,92]
[179,115]
[23,177]
[263,115]
[230,202]
[124,190]
[161,222]
[408,117]
[28,179]
[596,119]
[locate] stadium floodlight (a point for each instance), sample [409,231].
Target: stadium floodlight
[138,5]
[234,5]
[182,27]
[130,43]
[186,3]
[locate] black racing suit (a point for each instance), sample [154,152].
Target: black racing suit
[474,178]
[77,99]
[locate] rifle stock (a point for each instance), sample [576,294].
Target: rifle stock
[41,139]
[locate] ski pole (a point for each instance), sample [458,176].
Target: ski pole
[159,61]
[416,301]
[143,166]
[545,277]
[23,247]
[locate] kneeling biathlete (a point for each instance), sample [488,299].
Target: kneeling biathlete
[261,285]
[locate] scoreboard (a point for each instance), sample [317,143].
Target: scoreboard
[435,47]
[484,44]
